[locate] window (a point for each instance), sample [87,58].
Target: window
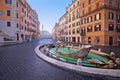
[23,10]
[111,27]
[73,39]
[17,15]
[70,18]
[69,32]
[111,15]
[83,32]
[118,18]
[69,26]
[89,29]
[25,28]
[83,5]
[73,25]
[89,9]
[110,2]
[73,18]
[78,3]
[98,16]
[77,23]
[8,24]
[89,19]
[89,40]
[22,27]
[118,28]
[83,21]
[17,25]
[118,5]
[78,30]
[78,10]
[77,16]
[83,12]
[66,20]
[73,6]
[97,39]
[97,28]
[73,31]
[8,1]
[89,1]
[1,13]
[17,4]
[97,5]
[8,12]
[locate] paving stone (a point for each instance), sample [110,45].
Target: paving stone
[19,62]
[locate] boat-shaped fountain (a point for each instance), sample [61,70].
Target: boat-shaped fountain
[84,56]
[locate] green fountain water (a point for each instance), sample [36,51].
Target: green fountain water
[86,57]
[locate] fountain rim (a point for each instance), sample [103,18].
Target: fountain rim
[115,73]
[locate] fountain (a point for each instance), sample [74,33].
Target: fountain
[84,56]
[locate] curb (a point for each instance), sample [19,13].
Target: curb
[10,43]
[107,73]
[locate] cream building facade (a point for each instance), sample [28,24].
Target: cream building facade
[18,21]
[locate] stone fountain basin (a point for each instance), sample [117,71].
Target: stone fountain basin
[69,57]
[106,73]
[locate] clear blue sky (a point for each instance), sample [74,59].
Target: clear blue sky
[49,11]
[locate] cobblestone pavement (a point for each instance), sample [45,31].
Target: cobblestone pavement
[19,62]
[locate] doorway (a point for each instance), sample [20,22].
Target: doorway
[17,37]
[110,40]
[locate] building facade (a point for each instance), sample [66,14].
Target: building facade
[73,22]
[93,22]
[18,21]
[100,20]
[56,32]
[62,25]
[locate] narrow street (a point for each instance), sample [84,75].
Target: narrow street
[19,62]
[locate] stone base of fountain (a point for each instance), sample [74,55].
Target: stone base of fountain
[109,74]
[89,57]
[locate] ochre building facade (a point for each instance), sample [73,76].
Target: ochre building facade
[93,22]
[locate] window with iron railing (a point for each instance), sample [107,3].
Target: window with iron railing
[73,31]
[98,16]
[77,23]
[89,19]
[97,28]
[118,18]
[118,28]
[111,15]
[111,27]
[83,21]
[77,16]
[73,25]
[83,33]
[89,29]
